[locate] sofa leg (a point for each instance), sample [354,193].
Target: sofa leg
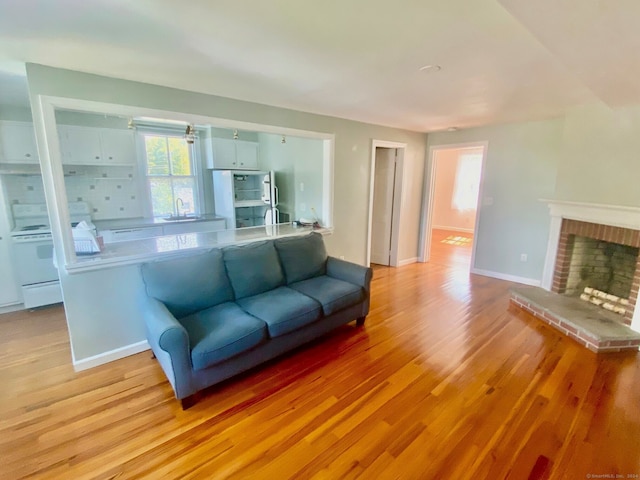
[189,401]
[360,321]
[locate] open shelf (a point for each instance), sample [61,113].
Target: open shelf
[249,203]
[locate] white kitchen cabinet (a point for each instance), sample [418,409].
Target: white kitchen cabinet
[247,155]
[118,146]
[79,145]
[226,154]
[194,227]
[112,235]
[10,293]
[96,146]
[125,234]
[18,143]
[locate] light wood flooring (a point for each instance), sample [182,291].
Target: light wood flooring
[445,381]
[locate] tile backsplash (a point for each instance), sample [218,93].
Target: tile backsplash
[111,192]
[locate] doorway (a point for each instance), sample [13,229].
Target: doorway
[456,177]
[384,202]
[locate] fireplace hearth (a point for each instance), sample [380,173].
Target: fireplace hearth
[607,237]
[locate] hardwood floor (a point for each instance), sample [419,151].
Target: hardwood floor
[445,381]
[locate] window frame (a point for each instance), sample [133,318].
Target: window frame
[194,156]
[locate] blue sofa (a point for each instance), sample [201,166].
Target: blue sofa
[214,314]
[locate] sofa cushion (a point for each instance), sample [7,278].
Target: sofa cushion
[221,332]
[188,284]
[333,294]
[283,310]
[302,257]
[253,268]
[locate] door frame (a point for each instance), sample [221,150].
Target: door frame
[397,197]
[429,201]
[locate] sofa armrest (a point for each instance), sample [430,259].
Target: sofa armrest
[169,341]
[349,272]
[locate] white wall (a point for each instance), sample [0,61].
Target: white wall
[591,155]
[298,164]
[445,216]
[601,156]
[18,114]
[101,311]
[520,169]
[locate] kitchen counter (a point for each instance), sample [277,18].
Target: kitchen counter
[142,250]
[141,222]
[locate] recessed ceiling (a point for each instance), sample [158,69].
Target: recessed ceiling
[504,61]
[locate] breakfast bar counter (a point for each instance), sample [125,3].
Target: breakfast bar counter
[142,250]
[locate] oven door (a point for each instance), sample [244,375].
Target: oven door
[33,256]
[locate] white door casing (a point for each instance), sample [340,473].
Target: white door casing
[384,178]
[400,149]
[426,220]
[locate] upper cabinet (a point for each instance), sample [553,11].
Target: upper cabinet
[17,143]
[96,146]
[225,154]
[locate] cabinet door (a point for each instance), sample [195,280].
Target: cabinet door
[126,234]
[193,227]
[80,145]
[9,288]
[223,153]
[18,142]
[246,155]
[118,147]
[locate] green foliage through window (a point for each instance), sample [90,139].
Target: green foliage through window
[170,175]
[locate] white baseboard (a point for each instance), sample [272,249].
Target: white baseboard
[110,356]
[452,229]
[504,276]
[12,308]
[407,261]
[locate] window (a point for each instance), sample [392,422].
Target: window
[467,182]
[171,179]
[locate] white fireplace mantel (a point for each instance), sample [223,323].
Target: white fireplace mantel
[616,216]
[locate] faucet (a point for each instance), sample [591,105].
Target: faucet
[179,203]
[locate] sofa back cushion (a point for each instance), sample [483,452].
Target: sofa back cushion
[302,257]
[188,284]
[253,268]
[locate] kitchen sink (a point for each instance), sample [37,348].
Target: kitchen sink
[181,218]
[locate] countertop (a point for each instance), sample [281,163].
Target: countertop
[141,222]
[142,250]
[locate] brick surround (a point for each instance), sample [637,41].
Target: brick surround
[619,235]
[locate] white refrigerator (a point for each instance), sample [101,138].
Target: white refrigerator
[245,198]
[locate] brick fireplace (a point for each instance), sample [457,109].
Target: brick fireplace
[591,276]
[602,257]
[602,225]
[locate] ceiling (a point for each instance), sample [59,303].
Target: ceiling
[501,60]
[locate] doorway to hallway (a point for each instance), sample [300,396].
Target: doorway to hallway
[456,173]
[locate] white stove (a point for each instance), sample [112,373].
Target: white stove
[32,219]
[33,251]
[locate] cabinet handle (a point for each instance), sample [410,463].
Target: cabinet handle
[97,157]
[110,158]
[28,155]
